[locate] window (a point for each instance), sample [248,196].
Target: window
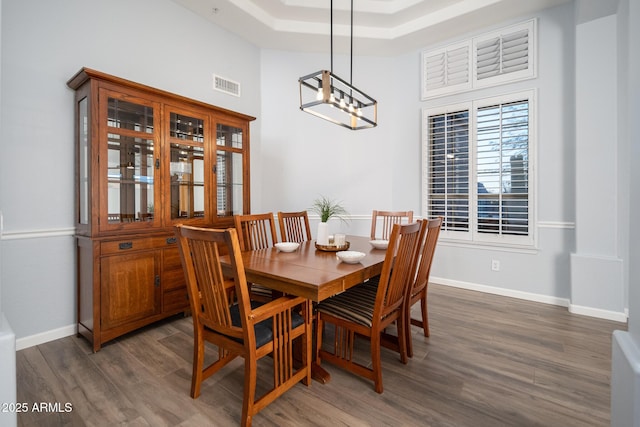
[477,169]
[490,59]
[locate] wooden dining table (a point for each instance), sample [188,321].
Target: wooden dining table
[312,273]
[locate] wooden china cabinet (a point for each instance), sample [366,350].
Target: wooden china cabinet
[146,160]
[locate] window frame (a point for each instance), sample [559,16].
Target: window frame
[472,235]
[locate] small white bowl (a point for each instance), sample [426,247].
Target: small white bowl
[379,244]
[287,246]
[350,257]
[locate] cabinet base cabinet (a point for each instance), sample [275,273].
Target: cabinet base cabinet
[126,284]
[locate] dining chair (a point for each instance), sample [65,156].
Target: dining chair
[365,310]
[429,232]
[244,328]
[294,226]
[388,219]
[257,231]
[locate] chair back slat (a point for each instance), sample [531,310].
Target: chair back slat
[388,219]
[256,231]
[294,226]
[397,268]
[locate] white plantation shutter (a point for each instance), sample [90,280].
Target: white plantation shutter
[477,169]
[434,71]
[505,56]
[490,59]
[446,168]
[502,168]
[446,70]
[515,51]
[458,66]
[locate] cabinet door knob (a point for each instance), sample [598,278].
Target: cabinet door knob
[157,284]
[125,245]
[171,240]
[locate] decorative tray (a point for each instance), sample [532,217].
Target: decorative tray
[332,248]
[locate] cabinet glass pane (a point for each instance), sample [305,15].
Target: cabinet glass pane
[127,115]
[130,177]
[187,128]
[229,179]
[187,181]
[229,136]
[83,161]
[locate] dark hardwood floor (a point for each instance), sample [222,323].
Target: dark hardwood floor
[490,361]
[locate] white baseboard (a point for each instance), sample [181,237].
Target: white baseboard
[596,312]
[46,336]
[546,299]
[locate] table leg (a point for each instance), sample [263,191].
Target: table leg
[319,374]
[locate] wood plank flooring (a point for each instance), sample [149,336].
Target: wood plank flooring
[490,361]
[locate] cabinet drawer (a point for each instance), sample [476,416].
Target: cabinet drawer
[128,245]
[175,300]
[172,272]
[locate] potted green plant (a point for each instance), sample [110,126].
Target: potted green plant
[326,209]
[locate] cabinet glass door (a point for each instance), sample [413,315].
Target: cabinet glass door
[83,161]
[187,180]
[230,170]
[131,164]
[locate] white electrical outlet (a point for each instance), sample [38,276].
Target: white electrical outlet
[495,265]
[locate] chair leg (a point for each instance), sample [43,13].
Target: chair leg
[250,379]
[425,315]
[198,362]
[376,362]
[403,338]
[407,333]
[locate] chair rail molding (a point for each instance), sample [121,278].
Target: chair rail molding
[37,234]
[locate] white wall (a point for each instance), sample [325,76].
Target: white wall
[304,157]
[8,389]
[597,269]
[634,159]
[154,42]
[625,357]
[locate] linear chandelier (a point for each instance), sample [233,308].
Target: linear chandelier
[329,97]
